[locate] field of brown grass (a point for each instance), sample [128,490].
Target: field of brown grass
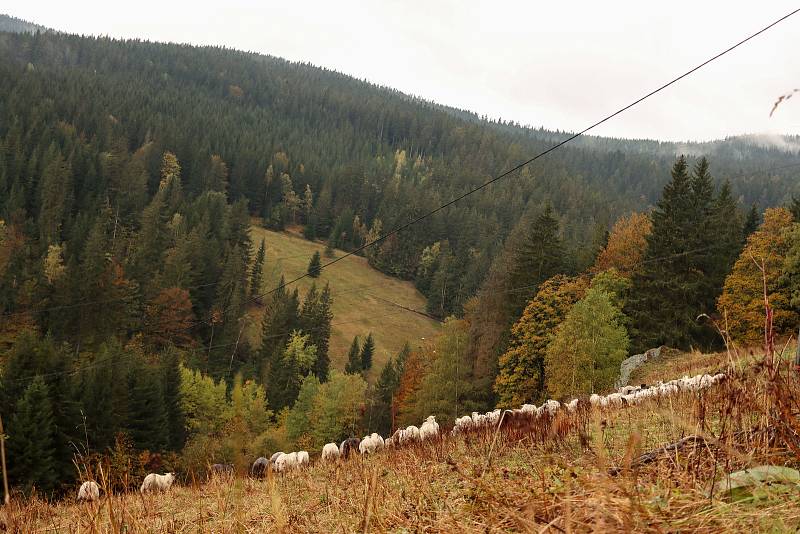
[364,299]
[593,471]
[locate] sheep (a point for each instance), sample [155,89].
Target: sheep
[89,491]
[551,407]
[367,445]
[493,418]
[595,399]
[221,470]
[348,446]
[330,452]
[303,459]
[259,468]
[429,429]
[410,434]
[285,462]
[380,443]
[462,424]
[389,443]
[275,457]
[157,482]
[572,405]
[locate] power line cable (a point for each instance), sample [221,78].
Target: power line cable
[540,154]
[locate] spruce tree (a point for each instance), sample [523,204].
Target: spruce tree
[280,318]
[794,209]
[314,266]
[539,256]
[751,222]
[353,365]
[170,364]
[683,266]
[147,418]
[315,320]
[256,274]
[31,440]
[367,352]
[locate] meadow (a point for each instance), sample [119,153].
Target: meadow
[364,299]
[658,466]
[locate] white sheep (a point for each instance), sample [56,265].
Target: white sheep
[551,407]
[285,462]
[154,482]
[367,445]
[429,429]
[378,440]
[595,400]
[303,459]
[409,435]
[330,452]
[572,405]
[89,491]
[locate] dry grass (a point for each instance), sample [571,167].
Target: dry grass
[575,473]
[362,298]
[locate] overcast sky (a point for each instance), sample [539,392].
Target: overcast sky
[561,65]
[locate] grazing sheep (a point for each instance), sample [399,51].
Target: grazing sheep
[286,462]
[389,443]
[595,399]
[303,459]
[367,445]
[429,429]
[572,405]
[379,441]
[330,452]
[259,468]
[154,482]
[551,407]
[348,446]
[222,470]
[409,435]
[89,491]
[275,457]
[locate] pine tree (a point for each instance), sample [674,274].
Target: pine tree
[31,440]
[147,417]
[367,352]
[314,266]
[280,318]
[256,274]
[315,320]
[353,365]
[296,363]
[680,276]
[176,423]
[794,208]
[538,257]
[751,222]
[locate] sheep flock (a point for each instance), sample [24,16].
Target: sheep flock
[281,462]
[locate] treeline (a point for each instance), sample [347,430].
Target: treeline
[690,274]
[346,159]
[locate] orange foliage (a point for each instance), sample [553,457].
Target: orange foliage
[168,317]
[742,301]
[626,245]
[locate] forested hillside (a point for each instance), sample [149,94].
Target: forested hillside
[130,173]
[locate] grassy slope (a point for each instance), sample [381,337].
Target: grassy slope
[553,478]
[359,298]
